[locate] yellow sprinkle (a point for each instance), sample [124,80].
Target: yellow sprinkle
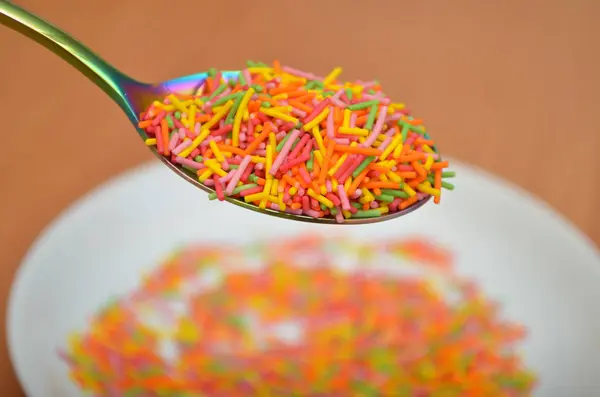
[384,209]
[367,195]
[332,76]
[383,178]
[273,142]
[195,143]
[317,120]
[260,69]
[199,103]
[408,190]
[246,115]
[319,157]
[280,97]
[346,121]
[274,187]
[258,129]
[395,142]
[150,141]
[381,137]
[215,167]
[339,163]
[347,214]
[273,199]
[318,139]
[237,122]
[218,115]
[282,109]
[428,149]
[292,191]
[323,200]
[218,155]
[178,105]
[269,161]
[266,190]
[279,115]
[205,175]
[428,163]
[323,189]
[282,205]
[334,184]
[254,197]
[347,184]
[162,106]
[192,116]
[398,150]
[428,190]
[397,106]
[353,131]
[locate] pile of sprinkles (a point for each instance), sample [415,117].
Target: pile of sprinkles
[286,140]
[307,317]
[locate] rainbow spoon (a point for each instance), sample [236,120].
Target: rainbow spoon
[134,97]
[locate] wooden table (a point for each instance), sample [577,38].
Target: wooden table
[510,86]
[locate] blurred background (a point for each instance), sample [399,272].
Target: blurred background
[509,86]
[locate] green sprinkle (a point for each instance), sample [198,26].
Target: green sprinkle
[295,143]
[411,127]
[261,64]
[243,79]
[219,90]
[448,174]
[367,213]
[349,93]
[212,72]
[395,193]
[310,162]
[253,178]
[385,197]
[371,118]
[190,169]
[199,159]
[250,64]
[283,141]
[234,166]
[333,211]
[299,126]
[170,121]
[265,105]
[363,165]
[234,109]
[239,189]
[364,105]
[323,207]
[356,205]
[257,88]
[371,91]
[224,99]
[447,185]
[177,115]
[212,196]
[328,93]
[405,129]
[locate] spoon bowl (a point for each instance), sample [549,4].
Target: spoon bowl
[134,97]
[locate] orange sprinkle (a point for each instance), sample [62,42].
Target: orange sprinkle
[164,130]
[358,150]
[408,202]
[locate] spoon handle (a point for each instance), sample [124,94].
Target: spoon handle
[108,78]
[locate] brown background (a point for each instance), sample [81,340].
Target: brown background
[511,86]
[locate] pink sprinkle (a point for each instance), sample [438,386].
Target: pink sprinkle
[195,153]
[227,178]
[296,72]
[343,198]
[374,204]
[394,205]
[209,182]
[292,211]
[223,130]
[328,185]
[238,174]
[339,218]
[305,204]
[330,128]
[218,188]
[337,102]
[357,193]
[247,76]
[177,122]
[299,113]
[250,191]
[385,143]
[353,118]
[317,110]
[173,142]
[299,146]
[313,213]
[158,118]
[377,128]
[342,141]
[284,152]
[304,174]
[299,160]
[336,201]
[181,133]
[181,147]
[150,130]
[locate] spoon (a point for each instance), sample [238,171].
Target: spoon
[134,97]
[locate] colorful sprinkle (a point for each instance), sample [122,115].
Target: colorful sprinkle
[314,133]
[302,317]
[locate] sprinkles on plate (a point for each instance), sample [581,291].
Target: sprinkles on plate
[302,317]
[287,140]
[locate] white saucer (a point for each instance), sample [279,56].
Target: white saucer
[546,273]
